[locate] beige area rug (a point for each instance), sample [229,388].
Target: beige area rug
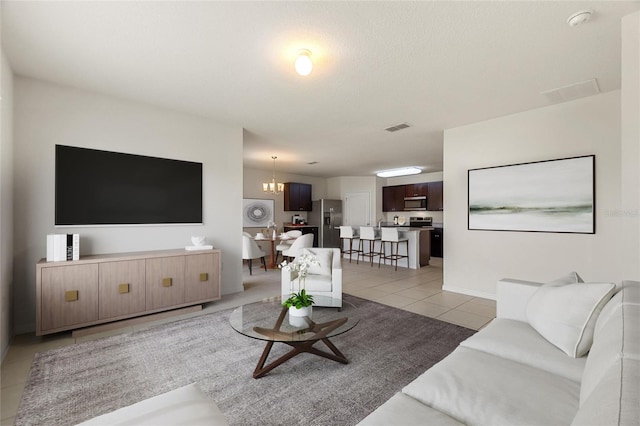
[386,350]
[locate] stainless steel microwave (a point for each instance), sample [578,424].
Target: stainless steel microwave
[415,203]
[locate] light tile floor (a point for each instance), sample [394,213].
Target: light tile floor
[419,291]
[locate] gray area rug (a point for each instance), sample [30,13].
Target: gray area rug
[386,350]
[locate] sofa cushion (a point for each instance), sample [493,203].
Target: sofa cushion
[565,314]
[324,258]
[477,388]
[518,341]
[401,409]
[614,401]
[570,278]
[187,405]
[615,338]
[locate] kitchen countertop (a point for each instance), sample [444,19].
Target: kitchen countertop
[408,228]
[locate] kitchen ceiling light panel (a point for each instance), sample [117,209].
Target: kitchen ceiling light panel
[399,172]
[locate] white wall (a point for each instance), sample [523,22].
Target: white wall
[253,179]
[6,204]
[475,260]
[339,187]
[630,212]
[46,115]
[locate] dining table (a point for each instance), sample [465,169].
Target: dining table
[272,244]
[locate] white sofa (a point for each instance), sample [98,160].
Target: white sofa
[187,405]
[510,373]
[323,280]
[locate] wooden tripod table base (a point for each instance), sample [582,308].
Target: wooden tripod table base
[318,332]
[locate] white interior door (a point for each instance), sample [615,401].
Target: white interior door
[357,209]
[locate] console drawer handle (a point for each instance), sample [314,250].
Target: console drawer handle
[71,295]
[167,282]
[123,288]
[204,276]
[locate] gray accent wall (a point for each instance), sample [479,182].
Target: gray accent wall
[46,114]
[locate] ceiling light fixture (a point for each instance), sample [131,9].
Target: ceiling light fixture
[580,17]
[273,187]
[303,63]
[399,172]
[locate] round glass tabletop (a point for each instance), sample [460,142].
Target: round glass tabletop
[268,320]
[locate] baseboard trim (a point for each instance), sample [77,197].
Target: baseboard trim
[469,292]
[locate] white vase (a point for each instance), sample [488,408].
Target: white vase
[296,316]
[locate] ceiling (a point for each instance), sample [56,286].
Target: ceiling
[432,64]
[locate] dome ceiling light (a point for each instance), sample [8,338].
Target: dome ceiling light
[303,63]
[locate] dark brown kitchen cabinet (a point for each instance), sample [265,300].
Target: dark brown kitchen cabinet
[297,197]
[393,198]
[416,190]
[434,200]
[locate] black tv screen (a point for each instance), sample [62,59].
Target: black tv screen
[96,187]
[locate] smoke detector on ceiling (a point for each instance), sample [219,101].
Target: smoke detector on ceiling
[580,17]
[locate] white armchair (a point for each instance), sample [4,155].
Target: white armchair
[323,280]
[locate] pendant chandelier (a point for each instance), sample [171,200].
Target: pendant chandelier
[273,187]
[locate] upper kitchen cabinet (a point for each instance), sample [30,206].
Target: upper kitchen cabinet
[434,200]
[297,197]
[393,198]
[416,190]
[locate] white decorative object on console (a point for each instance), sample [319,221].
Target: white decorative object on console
[199,244]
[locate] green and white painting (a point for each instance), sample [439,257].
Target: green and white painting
[545,196]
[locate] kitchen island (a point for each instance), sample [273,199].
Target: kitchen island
[419,245]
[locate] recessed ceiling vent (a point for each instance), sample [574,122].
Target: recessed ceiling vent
[312,163]
[397,127]
[573,91]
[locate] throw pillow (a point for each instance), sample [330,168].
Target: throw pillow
[570,278]
[324,257]
[565,314]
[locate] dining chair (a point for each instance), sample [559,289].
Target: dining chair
[250,251]
[304,241]
[286,244]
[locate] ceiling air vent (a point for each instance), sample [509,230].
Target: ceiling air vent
[397,127]
[573,91]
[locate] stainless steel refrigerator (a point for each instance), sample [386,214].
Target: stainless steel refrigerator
[327,216]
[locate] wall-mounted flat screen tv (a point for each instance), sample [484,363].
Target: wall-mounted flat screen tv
[94,187]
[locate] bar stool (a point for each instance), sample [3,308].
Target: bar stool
[391,236]
[367,233]
[347,233]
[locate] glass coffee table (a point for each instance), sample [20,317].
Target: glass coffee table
[268,320]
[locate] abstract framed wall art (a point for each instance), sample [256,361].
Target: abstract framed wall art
[543,196]
[256,212]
